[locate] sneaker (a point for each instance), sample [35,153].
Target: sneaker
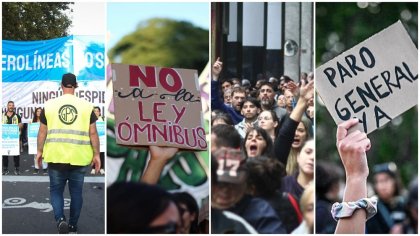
[62,226]
[102,171]
[45,171]
[17,172]
[36,171]
[92,172]
[5,171]
[72,229]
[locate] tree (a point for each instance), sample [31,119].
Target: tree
[27,21]
[340,26]
[166,43]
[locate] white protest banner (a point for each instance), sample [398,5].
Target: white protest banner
[375,81]
[100,127]
[157,106]
[10,136]
[33,129]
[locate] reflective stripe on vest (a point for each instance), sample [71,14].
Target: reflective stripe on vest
[67,140]
[68,131]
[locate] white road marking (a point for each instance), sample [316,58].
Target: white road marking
[42,179]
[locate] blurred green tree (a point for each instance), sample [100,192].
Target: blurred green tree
[166,43]
[340,26]
[26,21]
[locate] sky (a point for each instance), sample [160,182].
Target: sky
[123,18]
[119,19]
[88,18]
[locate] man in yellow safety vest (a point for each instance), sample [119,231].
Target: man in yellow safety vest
[69,143]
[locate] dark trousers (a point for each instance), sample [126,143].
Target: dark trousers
[6,161]
[58,181]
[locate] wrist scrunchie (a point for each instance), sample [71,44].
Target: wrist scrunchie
[346,209]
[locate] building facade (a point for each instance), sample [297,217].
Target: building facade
[262,40]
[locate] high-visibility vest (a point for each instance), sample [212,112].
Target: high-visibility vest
[15,119]
[68,121]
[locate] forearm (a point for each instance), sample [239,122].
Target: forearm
[42,135]
[284,140]
[153,171]
[298,111]
[94,139]
[356,189]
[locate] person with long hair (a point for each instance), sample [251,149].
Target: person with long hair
[307,208]
[298,182]
[294,131]
[257,142]
[302,134]
[269,122]
[189,212]
[35,119]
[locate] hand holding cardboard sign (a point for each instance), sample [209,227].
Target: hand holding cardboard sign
[217,68]
[159,156]
[162,153]
[352,148]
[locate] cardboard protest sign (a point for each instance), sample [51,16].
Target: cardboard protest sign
[10,136]
[375,81]
[33,129]
[157,106]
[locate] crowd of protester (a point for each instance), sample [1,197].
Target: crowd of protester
[262,154]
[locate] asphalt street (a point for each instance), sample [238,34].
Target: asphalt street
[26,207]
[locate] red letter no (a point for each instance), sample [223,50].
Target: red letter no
[163,79]
[136,74]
